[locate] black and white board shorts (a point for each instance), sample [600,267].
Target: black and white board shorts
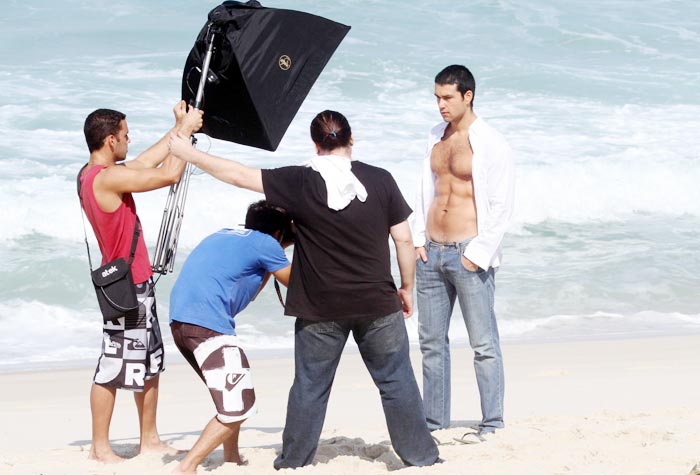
[223,366]
[132,346]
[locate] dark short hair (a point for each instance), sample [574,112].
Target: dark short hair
[460,76]
[99,125]
[269,219]
[330,130]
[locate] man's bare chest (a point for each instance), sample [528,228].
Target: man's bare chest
[452,158]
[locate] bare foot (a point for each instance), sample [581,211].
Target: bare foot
[179,471]
[160,448]
[105,456]
[237,459]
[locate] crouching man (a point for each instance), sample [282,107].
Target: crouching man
[218,280]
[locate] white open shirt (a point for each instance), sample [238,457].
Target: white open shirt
[494,189]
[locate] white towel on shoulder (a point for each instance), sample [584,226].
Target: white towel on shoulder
[342,185]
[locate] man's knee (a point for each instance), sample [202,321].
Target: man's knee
[488,350]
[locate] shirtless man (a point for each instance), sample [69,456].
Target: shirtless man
[464,205]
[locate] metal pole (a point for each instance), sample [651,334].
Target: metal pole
[166,246]
[205,72]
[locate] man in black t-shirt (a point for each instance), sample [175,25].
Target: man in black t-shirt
[347,250]
[344,212]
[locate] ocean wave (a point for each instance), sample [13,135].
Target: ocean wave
[566,191]
[601,325]
[593,326]
[35,333]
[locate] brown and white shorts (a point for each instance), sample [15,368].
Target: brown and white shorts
[223,366]
[132,346]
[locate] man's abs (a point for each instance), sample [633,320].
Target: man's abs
[452,214]
[451,218]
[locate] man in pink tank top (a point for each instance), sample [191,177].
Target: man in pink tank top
[132,346]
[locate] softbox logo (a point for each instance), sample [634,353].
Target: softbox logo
[285,62]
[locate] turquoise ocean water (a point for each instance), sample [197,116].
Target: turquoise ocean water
[599,100]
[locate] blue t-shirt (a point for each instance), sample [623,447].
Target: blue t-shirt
[221,276]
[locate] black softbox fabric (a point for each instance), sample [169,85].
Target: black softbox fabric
[264,64]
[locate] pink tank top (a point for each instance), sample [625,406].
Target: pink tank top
[115,230]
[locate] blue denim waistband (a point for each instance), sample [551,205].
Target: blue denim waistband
[448,245]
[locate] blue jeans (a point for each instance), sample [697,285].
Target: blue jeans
[383,344]
[439,281]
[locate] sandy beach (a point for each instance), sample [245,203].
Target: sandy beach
[585,407]
[597,298]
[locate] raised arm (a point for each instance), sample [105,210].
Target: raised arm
[405,255]
[225,170]
[186,121]
[118,180]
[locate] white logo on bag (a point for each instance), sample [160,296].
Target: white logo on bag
[109,271]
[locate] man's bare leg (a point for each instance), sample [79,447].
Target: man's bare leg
[214,434]
[102,406]
[231,445]
[146,405]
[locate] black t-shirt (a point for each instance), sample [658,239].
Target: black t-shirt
[341,267]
